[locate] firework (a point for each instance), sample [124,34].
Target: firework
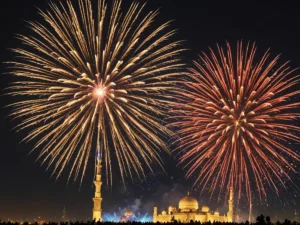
[95,81]
[235,119]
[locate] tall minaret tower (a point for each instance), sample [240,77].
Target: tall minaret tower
[97,211]
[230,206]
[155,215]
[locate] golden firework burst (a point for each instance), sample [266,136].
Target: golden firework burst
[95,81]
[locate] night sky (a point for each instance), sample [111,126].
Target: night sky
[27,190]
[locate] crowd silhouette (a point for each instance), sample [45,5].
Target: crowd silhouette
[260,220]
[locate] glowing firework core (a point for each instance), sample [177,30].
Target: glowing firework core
[100,91]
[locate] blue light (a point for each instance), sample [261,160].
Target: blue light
[118,216]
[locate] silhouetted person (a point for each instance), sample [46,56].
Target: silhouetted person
[268,220]
[260,219]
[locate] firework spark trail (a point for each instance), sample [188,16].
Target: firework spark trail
[100,82]
[235,118]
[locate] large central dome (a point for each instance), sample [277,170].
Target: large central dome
[188,203]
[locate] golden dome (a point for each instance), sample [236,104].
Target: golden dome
[164,212]
[188,203]
[205,209]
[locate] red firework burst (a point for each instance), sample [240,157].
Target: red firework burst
[235,119]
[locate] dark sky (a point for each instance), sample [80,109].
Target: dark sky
[27,191]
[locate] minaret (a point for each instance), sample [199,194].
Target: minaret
[155,215]
[97,211]
[230,206]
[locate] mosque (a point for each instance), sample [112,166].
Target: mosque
[188,210]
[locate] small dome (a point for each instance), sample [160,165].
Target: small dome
[188,203]
[171,209]
[164,212]
[205,209]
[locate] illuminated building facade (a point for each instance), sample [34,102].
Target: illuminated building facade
[188,210]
